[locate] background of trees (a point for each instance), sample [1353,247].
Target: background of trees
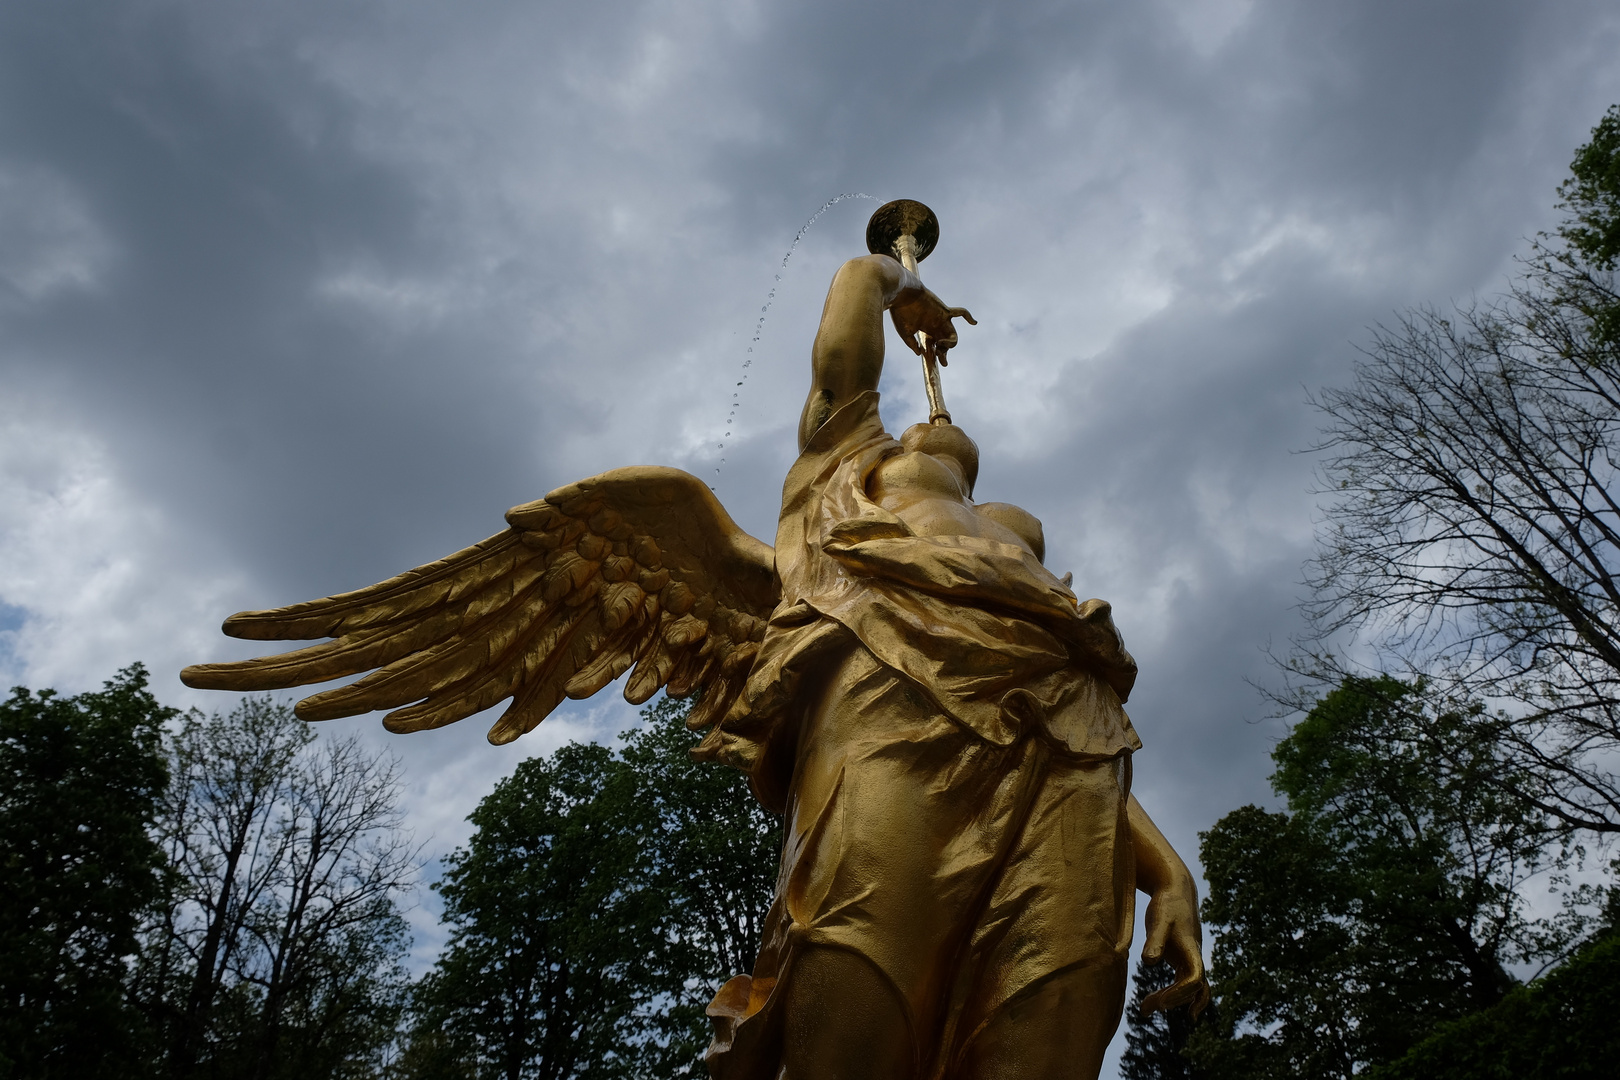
[81,779]
[1473,532]
[1380,923]
[1391,895]
[220,897]
[601,902]
[194,897]
[276,951]
[1561,1026]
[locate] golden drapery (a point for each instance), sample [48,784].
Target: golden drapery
[942,724]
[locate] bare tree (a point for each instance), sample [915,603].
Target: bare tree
[278,952]
[1473,523]
[218,827]
[1474,531]
[327,934]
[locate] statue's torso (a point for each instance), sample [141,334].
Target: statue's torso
[927,494]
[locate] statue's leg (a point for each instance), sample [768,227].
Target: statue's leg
[844,1021]
[896,826]
[1049,959]
[1057,1031]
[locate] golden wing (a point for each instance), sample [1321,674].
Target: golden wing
[638,566]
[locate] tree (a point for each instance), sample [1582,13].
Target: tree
[1156,1043]
[80,779]
[1591,195]
[1557,1027]
[554,925]
[1473,528]
[714,851]
[277,951]
[1387,898]
[599,905]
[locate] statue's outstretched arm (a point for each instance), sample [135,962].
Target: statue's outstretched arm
[1173,931]
[847,357]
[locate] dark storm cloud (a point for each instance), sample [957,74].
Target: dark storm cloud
[294,296]
[235,395]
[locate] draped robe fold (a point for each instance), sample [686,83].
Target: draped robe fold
[941,723]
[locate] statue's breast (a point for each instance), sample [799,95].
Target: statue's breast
[927,494]
[907,477]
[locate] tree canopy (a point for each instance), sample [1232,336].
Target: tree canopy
[600,903]
[190,897]
[1387,897]
[1591,196]
[80,783]
[1561,1027]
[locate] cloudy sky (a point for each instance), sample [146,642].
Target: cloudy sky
[294,296]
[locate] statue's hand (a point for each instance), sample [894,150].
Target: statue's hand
[921,310]
[1173,934]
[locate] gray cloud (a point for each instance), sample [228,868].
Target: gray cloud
[294,296]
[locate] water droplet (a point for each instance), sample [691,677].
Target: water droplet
[759,325]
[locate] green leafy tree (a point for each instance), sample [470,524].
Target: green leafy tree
[1561,1027]
[555,925]
[1156,1043]
[80,780]
[1591,196]
[599,905]
[714,853]
[1386,899]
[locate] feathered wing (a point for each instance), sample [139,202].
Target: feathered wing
[638,567]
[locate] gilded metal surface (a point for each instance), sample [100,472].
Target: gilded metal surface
[902,217]
[907,230]
[938,718]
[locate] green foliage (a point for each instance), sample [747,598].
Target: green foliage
[1562,1027]
[80,779]
[1591,195]
[713,851]
[594,912]
[1385,900]
[1281,956]
[215,897]
[1573,289]
[555,927]
[1156,1043]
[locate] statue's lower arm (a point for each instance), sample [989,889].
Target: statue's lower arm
[1172,926]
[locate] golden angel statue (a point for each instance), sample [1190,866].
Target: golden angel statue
[935,715]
